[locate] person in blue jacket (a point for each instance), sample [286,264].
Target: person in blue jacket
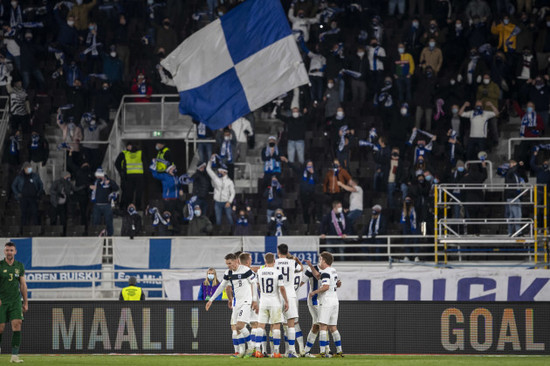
[209,286]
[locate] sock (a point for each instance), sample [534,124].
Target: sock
[242,347]
[259,337]
[235,337]
[253,336]
[264,342]
[323,341]
[285,328]
[246,337]
[276,340]
[271,346]
[337,341]
[311,337]
[299,337]
[291,339]
[15,343]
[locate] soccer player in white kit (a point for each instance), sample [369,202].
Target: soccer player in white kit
[271,285]
[288,268]
[246,260]
[242,281]
[328,305]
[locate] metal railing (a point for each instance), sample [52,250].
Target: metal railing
[4,121]
[527,139]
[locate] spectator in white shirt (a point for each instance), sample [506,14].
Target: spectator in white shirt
[224,192]
[355,200]
[478,126]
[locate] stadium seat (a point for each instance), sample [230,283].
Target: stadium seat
[10,231]
[54,230]
[95,230]
[31,230]
[76,230]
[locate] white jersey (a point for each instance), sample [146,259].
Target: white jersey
[313,285]
[270,280]
[242,281]
[329,277]
[288,268]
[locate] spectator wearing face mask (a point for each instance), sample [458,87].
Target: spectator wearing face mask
[472,70]
[434,33]
[60,192]
[404,70]
[201,186]
[479,120]
[274,194]
[377,56]
[296,127]
[19,106]
[67,34]
[526,70]
[204,148]
[331,99]
[539,93]
[528,29]
[424,98]
[72,135]
[200,225]
[409,223]
[422,150]
[39,152]
[335,223]
[30,52]
[92,132]
[359,64]
[278,224]
[224,192]
[242,128]
[507,34]
[411,37]
[170,186]
[300,22]
[308,179]
[80,13]
[162,222]
[317,66]
[531,126]
[336,174]
[399,124]
[131,222]
[431,56]
[27,188]
[209,287]
[244,221]
[456,47]
[376,226]
[272,160]
[166,37]
[113,67]
[345,140]
[227,142]
[336,61]
[102,191]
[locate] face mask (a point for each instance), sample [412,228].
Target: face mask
[197,213]
[210,277]
[421,181]
[458,26]
[478,108]
[403,111]
[431,44]
[150,2]
[14,3]
[408,203]
[309,167]
[295,114]
[429,74]
[243,217]
[387,83]
[279,216]
[421,146]
[271,144]
[28,170]
[529,109]
[340,114]
[79,2]
[91,27]
[227,138]
[374,213]
[105,88]
[460,169]
[429,178]
[157,147]
[415,24]
[113,54]
[401,50]
[486,81]
[330,85]
[339,210]
[436,181]
[360,54]
[433,27]
[274,183]
[301,16]
[70,23]
[131,210]
[374,45]
[455,110]
[545,166]
[395,155]
[506,21]
[452,82]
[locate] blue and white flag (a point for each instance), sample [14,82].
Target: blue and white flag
[303,247]
[236,64]
[60,259]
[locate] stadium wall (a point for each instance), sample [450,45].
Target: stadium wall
[372,327]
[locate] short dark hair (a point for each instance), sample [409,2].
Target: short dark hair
[336,203]
[244,257]
[10,244]
[283,249]
[230,256]
[238,253]
[269,258]
[327,257]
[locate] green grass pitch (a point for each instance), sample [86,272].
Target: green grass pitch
[373,360]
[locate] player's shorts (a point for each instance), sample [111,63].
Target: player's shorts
[292,312]
[328,314]
[11,310]
[314,312]
[270,315]
[253,317]
[241,313]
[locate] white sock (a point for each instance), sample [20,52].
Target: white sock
[235,337]
[291,340]
[271,346]
[276,340]
[259,336]
[311,337]
[285,328]
[242,346]
[337,341]
[299,337]
[246,336]
[323,341]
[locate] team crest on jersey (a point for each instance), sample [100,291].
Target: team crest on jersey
[5,270]
[17,271]
[239,277]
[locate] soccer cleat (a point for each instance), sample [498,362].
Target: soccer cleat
[258,354]
[15,359]
[249,353]
[266,355]
[323,355]
[237,355]
[292,355]
[338,354]
[307,354]
[277,355]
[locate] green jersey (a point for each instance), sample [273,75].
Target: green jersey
[9,281]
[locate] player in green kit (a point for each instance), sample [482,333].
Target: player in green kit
[12,287]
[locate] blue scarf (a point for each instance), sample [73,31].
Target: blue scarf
[275,186]
[241,221]
[14,145]
[529,120]
[412,218]
[201,130]
[308,177]
[15,16]
[226,151]
[34,142]
[478,112]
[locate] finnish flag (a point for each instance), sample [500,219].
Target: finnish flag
[236,64]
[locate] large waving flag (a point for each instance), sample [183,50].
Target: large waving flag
[236,64]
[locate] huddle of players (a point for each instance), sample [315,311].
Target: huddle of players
[277,282]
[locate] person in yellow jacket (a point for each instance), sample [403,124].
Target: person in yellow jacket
[129,164]
[132,292]
[507,34]
[80,12]
[404,70]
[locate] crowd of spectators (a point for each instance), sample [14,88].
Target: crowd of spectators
[414,88]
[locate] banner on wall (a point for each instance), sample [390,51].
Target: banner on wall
[59,259]
[402,284]
[139,254]
[303,247]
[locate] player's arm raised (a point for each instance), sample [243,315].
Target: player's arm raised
[23,288]
[313,270]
